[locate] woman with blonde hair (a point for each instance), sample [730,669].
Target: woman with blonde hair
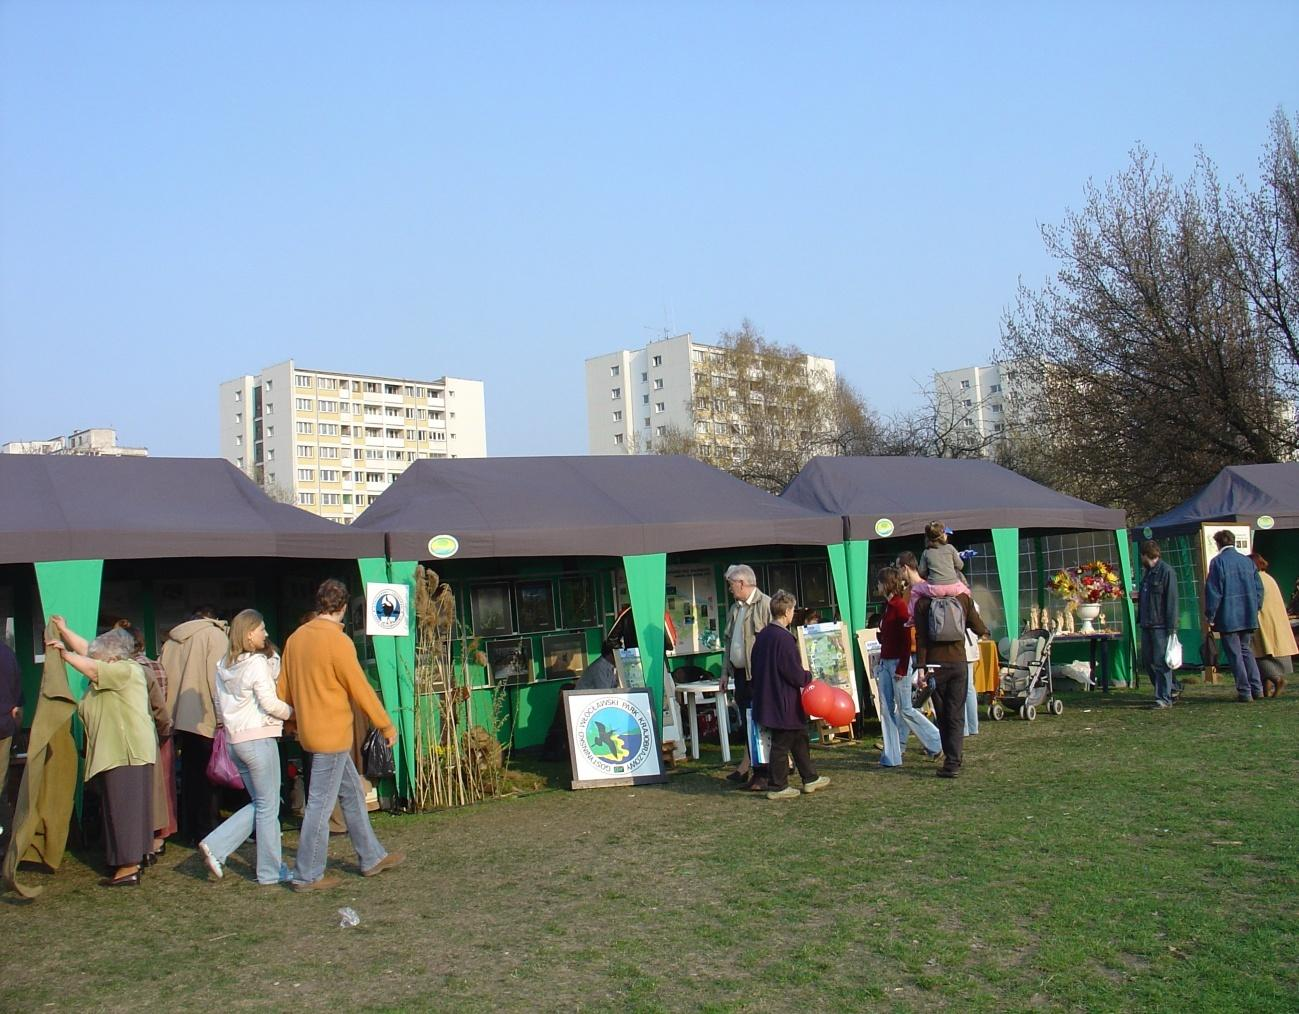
[121,744]
[1274,640]
[253,717]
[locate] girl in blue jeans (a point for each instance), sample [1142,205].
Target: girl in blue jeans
[253,716]
[893,676]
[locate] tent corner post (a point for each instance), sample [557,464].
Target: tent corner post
[647,578]
[1005,547]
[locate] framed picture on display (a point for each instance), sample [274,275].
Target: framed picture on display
[510,662]
[490,606]
[564,656]
[577,603]
[536,602]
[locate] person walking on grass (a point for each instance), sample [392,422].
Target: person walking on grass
[778,678]
[893,676]
[321,680]
[1233,595]
[1157,617]
[749,613]
[254,717]
[941,645]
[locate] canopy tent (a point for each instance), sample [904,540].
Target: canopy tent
[1239,494]
[603,505]
[54,507]
[887,497]
[632,508]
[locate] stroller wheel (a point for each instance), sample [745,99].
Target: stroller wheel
[1030,712]
[1057,706]
[996,712]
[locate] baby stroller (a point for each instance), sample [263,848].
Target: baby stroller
[1025,683]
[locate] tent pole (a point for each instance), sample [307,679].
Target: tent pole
[1129,607]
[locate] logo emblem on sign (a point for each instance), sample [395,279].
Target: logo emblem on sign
[613,736]
[883,528]
[388,613]
[1266,521]
[443,547]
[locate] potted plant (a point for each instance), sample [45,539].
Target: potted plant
[1085,587]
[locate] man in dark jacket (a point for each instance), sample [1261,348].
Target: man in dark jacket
[1233,593]
[777,677]
[950,676]
[1157,617]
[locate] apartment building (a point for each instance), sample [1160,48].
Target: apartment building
[96,441]
[634,396]
[977,399]
[332,442]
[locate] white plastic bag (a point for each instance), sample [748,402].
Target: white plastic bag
[1173,655]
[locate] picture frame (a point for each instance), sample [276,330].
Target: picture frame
[509,662]
[578,605]
[563,656]
[536,605]
[827,653]
[612,738]
[489,606]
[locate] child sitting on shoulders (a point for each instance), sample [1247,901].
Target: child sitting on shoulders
[940,566]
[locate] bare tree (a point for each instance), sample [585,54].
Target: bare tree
[1152,368]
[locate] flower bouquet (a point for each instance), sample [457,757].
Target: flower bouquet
[1085,587]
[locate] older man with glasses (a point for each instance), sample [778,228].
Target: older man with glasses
[749,613]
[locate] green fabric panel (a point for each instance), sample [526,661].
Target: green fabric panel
[647,584]
[1005,546]
[374,570]
[1129,578]
[839,575]
[403,572]
[71,589]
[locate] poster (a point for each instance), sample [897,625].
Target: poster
[1244,541]
[611,738]
[387,610]
[827,653]
[692,604]
[510,662]
[631,671]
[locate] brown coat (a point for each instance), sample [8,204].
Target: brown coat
[190,657]
[1274,636]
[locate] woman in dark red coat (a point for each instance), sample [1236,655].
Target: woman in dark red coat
[778,677]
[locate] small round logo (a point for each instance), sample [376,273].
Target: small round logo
[615,735]
[387,611]
[883,528]
[1266,521]
[443,547]
[1147,532]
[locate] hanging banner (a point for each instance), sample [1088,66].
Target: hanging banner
[387,610]
[611,738]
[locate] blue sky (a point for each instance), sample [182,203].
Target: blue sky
[192,191]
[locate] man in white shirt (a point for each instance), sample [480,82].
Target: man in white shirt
[749,613]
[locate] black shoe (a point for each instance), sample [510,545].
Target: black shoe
[131,880]
[149,860]
[946,773]
[735,776]
[1244,699]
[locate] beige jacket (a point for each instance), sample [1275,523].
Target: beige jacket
[1274,636]
[190,657]
[756,616]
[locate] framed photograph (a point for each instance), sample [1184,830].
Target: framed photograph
[816,585]
[490,606]
[536,606]
[564,656]
[510,662]
[612,739]
[783,575]
[577,602]
[827,653]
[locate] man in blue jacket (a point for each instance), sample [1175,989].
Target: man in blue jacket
[1157,617]
[1233,593]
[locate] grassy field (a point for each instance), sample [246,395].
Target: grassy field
[1115,858]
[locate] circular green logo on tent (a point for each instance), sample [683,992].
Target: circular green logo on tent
[1148,532]
[883,528]
[443,547]
[1266,521]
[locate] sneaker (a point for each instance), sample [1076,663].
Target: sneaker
[816,785]
[323,884]
[386,863]
[1159,705]
[215,872]
[788,792]
[936,755]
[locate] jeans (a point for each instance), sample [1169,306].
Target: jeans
[334,778]
[900,718]
[783,743]
[1240,655]
[951,682]
[1154,657]
[258,761]
[971,705]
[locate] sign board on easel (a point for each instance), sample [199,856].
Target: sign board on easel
[611,738]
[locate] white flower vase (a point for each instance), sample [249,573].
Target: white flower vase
[1087,612]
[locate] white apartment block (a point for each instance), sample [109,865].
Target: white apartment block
[97,441]
[977,399]
[333,442]
[634,396]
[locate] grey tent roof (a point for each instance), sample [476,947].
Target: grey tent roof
[55,507]
[1240,494]
[615,505]
[966,494]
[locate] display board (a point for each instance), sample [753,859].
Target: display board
[611,738]
[692,604]
[827,654]
[631,671]
[1244,541]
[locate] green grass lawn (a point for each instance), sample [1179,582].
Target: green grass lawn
[1114,858]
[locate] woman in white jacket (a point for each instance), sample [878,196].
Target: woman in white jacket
[253,716]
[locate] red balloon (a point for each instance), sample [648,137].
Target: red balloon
[820,700]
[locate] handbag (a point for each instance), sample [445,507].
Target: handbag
[1173,653]
[759,740]
[221,768]
[376,756]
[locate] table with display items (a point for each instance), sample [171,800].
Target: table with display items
[1098,643]
[709,691]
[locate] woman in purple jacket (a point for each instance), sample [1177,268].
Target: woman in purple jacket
[777,678]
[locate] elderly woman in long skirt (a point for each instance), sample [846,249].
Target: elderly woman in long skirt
[121,744]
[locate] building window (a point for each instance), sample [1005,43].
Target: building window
[239,462]
[306,474]
[270,432]
[329,475]
[329,499]
[307,499]
[329,452]
[617,415]
[239,396]
[239,418]
[995,389]
[302,380]
[658,383]
[660,431]
[967,403]
[997,427]
[647,421]
[239,440]
[996,409]
[657,361]
[660,406]
[302,404]
[270,454]
[616,393]
[306,451]
[327,406]
[644,377]
[304,427]
[268,384]
[617,439]
[644,399]
[270,408]
[613,371]
[965,385]
[327,383]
